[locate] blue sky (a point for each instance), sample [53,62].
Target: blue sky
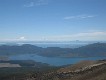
[53,20]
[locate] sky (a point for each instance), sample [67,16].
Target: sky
[52,20]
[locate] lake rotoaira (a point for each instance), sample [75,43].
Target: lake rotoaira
[56,61]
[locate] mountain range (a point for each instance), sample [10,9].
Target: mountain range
[90,50]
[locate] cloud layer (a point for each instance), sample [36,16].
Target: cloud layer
[79,17]
[85,36]
[22,38]
[30,4]
[36,3]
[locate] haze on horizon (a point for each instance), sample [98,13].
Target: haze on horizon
[52,20]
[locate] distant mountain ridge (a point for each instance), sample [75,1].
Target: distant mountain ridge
[91,50]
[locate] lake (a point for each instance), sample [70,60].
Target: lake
[56,61]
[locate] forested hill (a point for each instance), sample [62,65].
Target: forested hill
[96,49]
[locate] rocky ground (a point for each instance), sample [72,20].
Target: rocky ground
[84,70]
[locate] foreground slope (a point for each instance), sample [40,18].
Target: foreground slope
[85,70]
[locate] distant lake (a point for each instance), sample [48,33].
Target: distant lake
[44,45]
[61,45]
[52,60]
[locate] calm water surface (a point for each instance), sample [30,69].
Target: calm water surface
[52,60]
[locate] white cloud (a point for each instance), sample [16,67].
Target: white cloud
[31,4]
[79,36]
[22,38]
[36,3]
[79,17]
[15,39]
[90,36]
[84,36]
[41,2]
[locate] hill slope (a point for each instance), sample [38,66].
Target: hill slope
[86,70]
